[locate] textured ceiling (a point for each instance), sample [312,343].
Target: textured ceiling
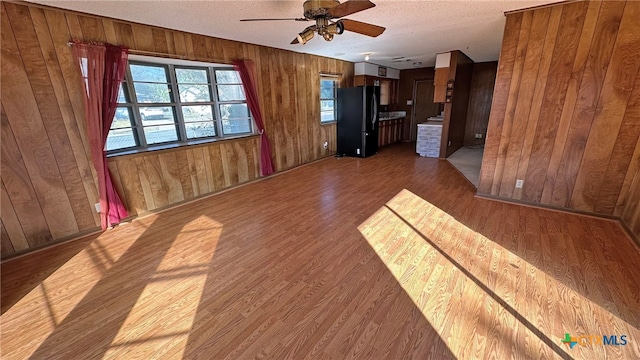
[416,30]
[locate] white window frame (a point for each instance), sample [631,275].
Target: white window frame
[336,81]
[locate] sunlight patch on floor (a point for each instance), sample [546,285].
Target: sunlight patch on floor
[478,295]
[49,303]
[163,314]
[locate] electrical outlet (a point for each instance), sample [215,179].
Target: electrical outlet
[478,136]
[98,208]
[519,184]
[325,145]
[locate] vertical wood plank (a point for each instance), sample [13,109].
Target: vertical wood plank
[75,157]
[159,188]
[20,190]
[585,107]
[124,34]
[132,189]
[499,102]
[92,29]
[217,171]
[530,63]
[11,223]
[523,39]
[192,170]
[143,37]
[242,162]
[619,81]
[621,158]
[145,183]
[201,170]
[110,31]
[171,177]
[536,102]
[6,248]
[22,111]
[159,40]
[182,163]
[573,16]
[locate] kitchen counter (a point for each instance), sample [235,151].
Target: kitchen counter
[392,115]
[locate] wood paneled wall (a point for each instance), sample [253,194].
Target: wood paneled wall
[484,77]
[48,181]
[565,115]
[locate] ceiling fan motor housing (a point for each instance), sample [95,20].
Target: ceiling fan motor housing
[314,9]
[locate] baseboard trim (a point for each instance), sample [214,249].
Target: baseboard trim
[626,229]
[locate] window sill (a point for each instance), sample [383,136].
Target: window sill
[162,148]
[328,123]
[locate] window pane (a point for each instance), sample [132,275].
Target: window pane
[234,111]
[121,97]
[327,88]
[192,76]
[236,126]
[156,115]
[327,93]
[326,105]
[159,134]
[200,129]
[197,113]
[148,73]
[327,116]
[194,93]
[230,93]
[152,93]
[122,118]
[227,77]
[120,139]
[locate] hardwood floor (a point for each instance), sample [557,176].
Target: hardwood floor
[389,257]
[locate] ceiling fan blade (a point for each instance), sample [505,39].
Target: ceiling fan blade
[362,28]
[350,7]
[277,19]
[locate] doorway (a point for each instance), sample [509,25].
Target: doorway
[423,106]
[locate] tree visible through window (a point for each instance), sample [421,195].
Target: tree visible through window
[328,95]
[167,103]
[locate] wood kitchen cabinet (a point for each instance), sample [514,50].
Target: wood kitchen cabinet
[388,87]
[440,85]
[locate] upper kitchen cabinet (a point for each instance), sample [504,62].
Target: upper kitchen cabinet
[375,75]
[443,64]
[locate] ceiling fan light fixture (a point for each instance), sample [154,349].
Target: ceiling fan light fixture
[336,28]
[305,36]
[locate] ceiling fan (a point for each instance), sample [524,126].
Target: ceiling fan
[323,11]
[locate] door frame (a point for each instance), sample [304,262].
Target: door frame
[414,126]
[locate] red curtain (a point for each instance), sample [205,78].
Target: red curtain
[247,71]
[102,67]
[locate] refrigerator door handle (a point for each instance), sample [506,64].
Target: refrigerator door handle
[374,111]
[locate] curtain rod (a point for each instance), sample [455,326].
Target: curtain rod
[172,56]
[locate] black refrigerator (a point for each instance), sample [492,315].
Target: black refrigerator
[357,124]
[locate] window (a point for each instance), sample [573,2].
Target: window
[328,96]
[177,103]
